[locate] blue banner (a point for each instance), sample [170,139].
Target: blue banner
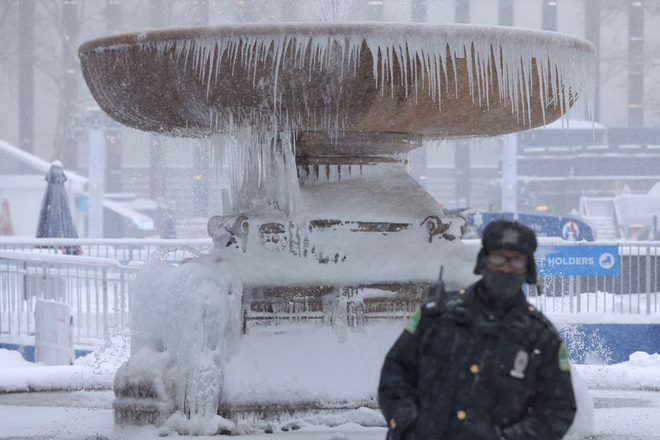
[577,260]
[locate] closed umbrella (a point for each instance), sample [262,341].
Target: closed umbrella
[55,217]
[5,219]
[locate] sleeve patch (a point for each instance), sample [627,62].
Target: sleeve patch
[414,321]
[564,364]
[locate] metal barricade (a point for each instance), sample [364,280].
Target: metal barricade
[123,249]
[631,291]
[97,290]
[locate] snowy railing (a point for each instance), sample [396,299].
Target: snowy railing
[632,291]
[122,249]
[97,290]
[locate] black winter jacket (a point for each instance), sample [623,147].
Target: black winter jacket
[466,369]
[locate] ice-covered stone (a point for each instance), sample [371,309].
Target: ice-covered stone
[186,323]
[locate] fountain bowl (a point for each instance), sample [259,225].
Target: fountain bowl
[408,81]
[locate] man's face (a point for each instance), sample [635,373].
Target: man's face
[506,261]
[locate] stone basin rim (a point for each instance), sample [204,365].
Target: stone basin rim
[388,31]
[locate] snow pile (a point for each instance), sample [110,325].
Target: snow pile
[192,313]
[94,371]
[359,417]
[207,425]
[641,372]
[641,359]
[30,377]
[12,359]
[349,419]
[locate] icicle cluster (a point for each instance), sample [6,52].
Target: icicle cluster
[565,65]
[262,169]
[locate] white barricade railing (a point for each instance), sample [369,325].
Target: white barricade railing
[122,249]
[96,289]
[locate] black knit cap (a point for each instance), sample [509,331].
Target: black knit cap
[505,234]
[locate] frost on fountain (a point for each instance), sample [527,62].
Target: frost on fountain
[186,325]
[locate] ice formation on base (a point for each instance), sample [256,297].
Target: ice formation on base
[186,324]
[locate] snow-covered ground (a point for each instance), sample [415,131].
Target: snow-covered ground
[271,365]
[619,414]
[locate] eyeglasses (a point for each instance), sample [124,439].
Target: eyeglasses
[497,260]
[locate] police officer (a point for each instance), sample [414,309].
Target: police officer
[481,363]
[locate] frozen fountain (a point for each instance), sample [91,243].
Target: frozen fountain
[314,121]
